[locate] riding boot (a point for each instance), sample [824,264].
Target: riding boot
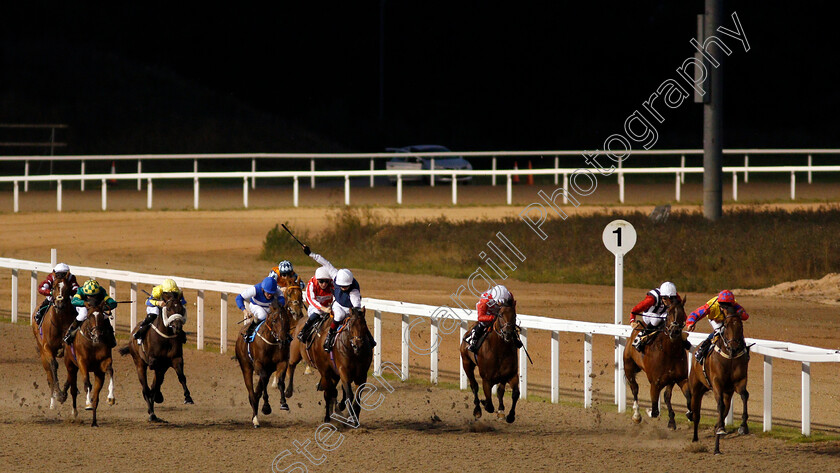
[478,332]
[307,327]
[144,327]
[71,332]
[328,343]
[249,330]
[39,316]
[109,338]
[518,342]
[700,354]
[371,340]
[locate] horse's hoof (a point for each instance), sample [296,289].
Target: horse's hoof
[637,418]
[720,431]
[266,409]
[75,413]
[289,393]
[94,424]
[477,412]
[652,414]
[718,452]
[340,407]
[743,430]
[672,425]
[52,403]
[255,422]
[489,407]
[112,401]
[500,414]
[62,396]
[159,397]
[88,407]
[510,418]
[284,407]
[689,415]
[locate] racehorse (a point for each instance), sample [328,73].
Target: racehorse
[297,311]
[48,336]
[663,361]
[498,363]
[347,364]
[723,372]
[267,353]
[162,348]
[89,353]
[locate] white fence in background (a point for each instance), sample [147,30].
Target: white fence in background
[768,348]
[295,176]
[372,157]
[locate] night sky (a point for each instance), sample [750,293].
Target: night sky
[304,76]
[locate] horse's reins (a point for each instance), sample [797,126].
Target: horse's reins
[501,330]
[729,356]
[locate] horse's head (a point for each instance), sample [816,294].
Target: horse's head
[62,291]
[507,322]
[279,323]
[733,330]
[294,301]
[358,329]
[95,325]
[675,321]
[175,314]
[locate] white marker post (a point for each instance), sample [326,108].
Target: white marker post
[619,237]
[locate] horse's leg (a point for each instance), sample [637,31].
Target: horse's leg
[469,369]
[686,390]
[72,370]
[741,389]
[111,398]
[723,409]
[294,358]
[514,396]
[330,395]
[248,375]
[142,374]
[630,371]
[86,383]
[500,395]
[697,391]
[98,381]
[262,390]
[51,367]
[160,374]
[281,384]
[672,424]
[655,390]
[178,366]
[488,396]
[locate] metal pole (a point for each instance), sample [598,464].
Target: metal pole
[713,122]
[223,322]
[682,165]
[435,349]
[195,192]
[454,190]
[371,176]
[245,192]
[556,166]
[16,197]
[399,189]
[139,171]
[133,312]
[149,193]
[678,187]
[509,189]
[565,188]
[112,291]
[405,335]
[746,168]
[82,186]
[312,168]
[493,167]
[377,336]
[768,393]
[104,194]
[33,293]
[523,364]
[295,191]
[14,295]
[555,367]
[792,185]
[619,347]
[806,399]
[621,186]
[587,370]
[253,173]
[735,186]
[462,373]
[810,163]
[26,174]
[346,189]
[432,177]
[199,309]
[58,196]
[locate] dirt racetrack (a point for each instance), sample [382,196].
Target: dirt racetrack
[404,433]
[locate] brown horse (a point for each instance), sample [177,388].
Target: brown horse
[269,352]
[351,358]
[498,363]
[161,349]
[89,353]
[297,310]
[724,372]
[663,361]
[48,336]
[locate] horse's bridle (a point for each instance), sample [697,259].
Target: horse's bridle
[503,329]
[93,314]
[727,343]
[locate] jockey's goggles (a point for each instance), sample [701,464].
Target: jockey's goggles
[286,273]
[61,275]
[325,281]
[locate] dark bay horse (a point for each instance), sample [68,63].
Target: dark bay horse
[161,349]
[723,372]
[269,352]
[48,336]
[498,364]
[665,363]
[89,353]
[297,311]
[352,356]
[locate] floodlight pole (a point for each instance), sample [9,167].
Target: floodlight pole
[712,122]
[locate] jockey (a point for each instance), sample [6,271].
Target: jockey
[654,310]
[153,305]
[319,296]
[285,275]
[93,294]
[714,310]
[61,271]
[346,296]
[260,296]
[488,309]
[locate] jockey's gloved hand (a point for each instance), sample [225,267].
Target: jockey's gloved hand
[306,250]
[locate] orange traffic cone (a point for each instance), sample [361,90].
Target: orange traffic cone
[515,176]
[113,171]
[530,176]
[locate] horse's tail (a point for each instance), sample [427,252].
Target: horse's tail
[124,350]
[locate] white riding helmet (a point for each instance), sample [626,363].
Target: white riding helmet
[668,289]
[500,294]
[61,268]
[323,273]
[344,277]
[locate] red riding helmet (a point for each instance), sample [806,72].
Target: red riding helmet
[726,296]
